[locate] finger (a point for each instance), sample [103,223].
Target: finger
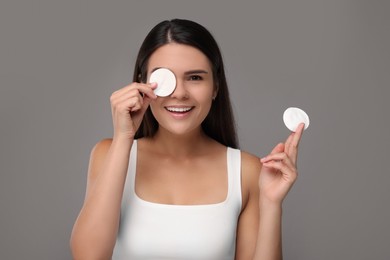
[123,90]
[149,97]
[133,98]
[136,106]
[139,85]
[148,90]
[293,146]
[278,148]
[288,173]
[142,88]
[279,165]
[129,101]
[130,93]
[287,144]
[278,157]
[298,135]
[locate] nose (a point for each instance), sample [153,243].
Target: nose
[180,91]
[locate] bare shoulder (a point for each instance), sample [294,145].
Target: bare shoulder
[250,171]
[96,159]
[250,164]
[101,147]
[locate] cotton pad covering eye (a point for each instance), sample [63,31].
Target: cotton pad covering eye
[293,116]
[166,82]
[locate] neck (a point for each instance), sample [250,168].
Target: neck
[180,145]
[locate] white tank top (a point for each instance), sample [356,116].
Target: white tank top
[150,230]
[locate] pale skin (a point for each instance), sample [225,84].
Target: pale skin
[187,168]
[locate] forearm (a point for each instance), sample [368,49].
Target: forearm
[269,239]
[97,224]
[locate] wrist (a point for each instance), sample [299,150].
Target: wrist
[270,206]
[122,140]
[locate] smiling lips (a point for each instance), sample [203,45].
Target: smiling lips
[179,109]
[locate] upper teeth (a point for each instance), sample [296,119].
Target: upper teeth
[179,109]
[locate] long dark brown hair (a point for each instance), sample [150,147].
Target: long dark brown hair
[219,123]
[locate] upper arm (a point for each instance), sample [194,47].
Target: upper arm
[96,160]
[248,223]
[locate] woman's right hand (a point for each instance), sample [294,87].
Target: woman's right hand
[128,106]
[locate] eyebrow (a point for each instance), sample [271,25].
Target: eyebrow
[195,72]
[187,72]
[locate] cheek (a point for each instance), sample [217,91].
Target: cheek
[153,104]
[203,93]
[155,107]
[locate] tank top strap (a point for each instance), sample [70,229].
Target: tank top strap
[234,175]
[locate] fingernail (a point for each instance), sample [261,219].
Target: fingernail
[153,85]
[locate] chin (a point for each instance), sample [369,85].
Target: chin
[181,130]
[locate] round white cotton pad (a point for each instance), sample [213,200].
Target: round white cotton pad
[166,82]
[293,116]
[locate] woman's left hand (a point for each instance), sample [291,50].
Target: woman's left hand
[279,170]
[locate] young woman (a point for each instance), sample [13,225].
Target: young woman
[171,183]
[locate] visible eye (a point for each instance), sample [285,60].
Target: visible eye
[195,77]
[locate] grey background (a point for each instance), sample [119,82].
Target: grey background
[61,60]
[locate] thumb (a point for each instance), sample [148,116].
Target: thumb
[147,99]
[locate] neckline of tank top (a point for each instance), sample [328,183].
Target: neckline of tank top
[189,206]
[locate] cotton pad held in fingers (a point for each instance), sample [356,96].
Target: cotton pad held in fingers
[166,82]
[293,116]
